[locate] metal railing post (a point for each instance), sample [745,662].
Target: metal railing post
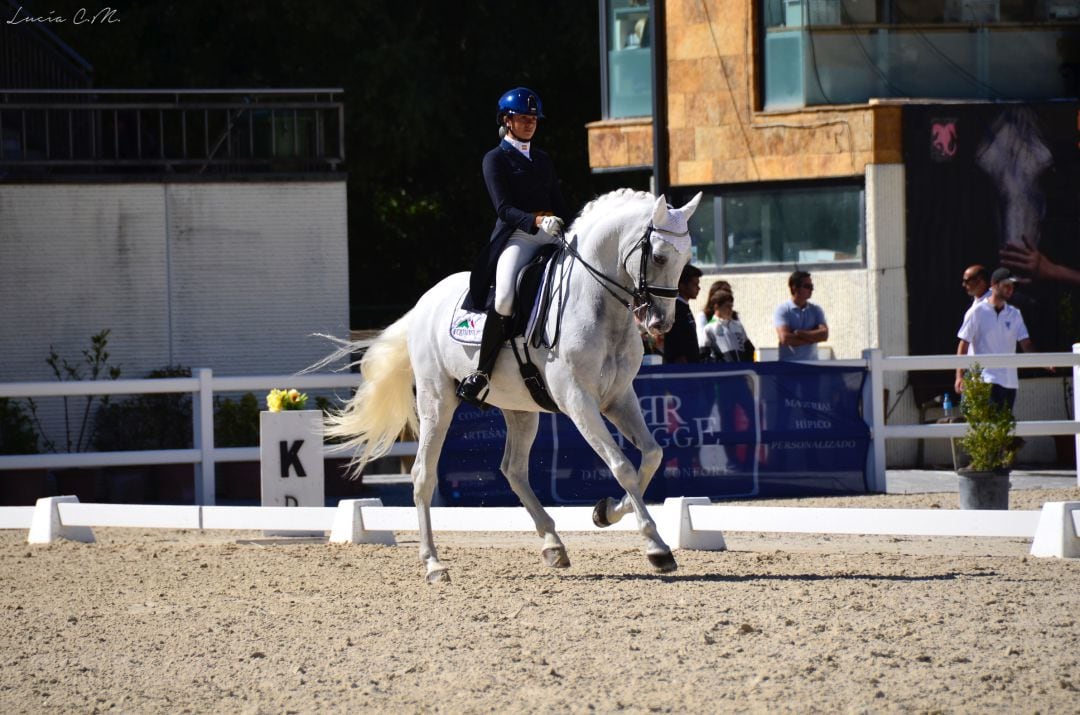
[1076,412]
[875,401]
[203,423]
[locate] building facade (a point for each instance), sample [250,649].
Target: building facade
[882,145]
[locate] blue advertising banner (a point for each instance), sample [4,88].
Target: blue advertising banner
[728,430]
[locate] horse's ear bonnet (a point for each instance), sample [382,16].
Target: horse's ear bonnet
[672,225]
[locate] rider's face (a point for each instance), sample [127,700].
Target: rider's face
[522,126]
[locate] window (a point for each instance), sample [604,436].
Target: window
[759,228]
[848,51]
[628,59]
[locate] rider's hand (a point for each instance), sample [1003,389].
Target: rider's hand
[551,225]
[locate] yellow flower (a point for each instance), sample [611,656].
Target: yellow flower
[279,400]
[274,400]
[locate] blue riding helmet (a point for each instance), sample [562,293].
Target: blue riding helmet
[520,100]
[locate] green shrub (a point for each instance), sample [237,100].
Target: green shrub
[236,422]
[17,433]
[990,441]
[146,422]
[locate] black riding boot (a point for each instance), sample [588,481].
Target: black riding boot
[496,331]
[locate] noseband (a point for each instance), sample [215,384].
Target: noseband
[641,297]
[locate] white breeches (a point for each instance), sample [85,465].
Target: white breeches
[520,249]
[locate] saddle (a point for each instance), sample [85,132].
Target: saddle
[532,300]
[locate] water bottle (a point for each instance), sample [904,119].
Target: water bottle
[946,404]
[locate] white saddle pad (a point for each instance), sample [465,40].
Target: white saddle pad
[466,326]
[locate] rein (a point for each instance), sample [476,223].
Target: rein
[640,298]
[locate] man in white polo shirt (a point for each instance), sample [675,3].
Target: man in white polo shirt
[992,326]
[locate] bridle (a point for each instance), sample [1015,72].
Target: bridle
[641,297]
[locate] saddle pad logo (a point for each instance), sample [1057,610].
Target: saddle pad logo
[467,327]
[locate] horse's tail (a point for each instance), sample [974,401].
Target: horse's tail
[383,405]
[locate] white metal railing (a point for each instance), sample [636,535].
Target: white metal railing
[874,408]
[202,386]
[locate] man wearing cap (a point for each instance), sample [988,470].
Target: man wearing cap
[992,326]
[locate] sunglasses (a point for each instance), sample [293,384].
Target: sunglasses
[807,286]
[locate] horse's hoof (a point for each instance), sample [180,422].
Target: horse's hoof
[556,558]
[599,514]
[663,563]
[438,576]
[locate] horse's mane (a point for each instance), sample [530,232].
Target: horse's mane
[609,202]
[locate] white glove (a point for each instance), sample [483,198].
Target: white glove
[552,225]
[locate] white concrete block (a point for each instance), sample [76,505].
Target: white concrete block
[676,526]
[349,528]
[1058,532]
[46,526]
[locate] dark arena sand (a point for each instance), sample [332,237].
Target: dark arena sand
[161,621]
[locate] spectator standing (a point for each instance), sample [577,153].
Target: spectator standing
[706,315]
[990,327]
[976,282]
[681,342]
[725,336]
[800,324]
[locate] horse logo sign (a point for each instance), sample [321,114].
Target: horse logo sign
[943,139]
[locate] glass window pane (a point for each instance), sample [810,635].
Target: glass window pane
[803,226]
[629,59]
[828,52]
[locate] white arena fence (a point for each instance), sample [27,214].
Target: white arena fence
[202,386]
[686,522]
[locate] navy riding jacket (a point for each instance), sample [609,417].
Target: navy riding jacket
[520,189]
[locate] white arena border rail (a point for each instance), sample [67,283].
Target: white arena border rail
[202,386]
[684,522]
[1054,529]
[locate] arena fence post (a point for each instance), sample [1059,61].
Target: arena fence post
[1056,534]
[46,527]
[348,527]
[677,527]
[202,415]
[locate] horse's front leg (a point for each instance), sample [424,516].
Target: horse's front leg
[521,430]
[585,413]
[435,407]
[625,414]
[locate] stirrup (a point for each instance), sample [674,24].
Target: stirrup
[473,389]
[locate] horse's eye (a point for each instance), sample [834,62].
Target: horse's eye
[659,260]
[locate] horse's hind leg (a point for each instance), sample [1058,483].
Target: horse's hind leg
[586,415]
[520,432]
[625,414]
[435,403]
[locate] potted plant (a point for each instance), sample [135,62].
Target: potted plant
[990,444]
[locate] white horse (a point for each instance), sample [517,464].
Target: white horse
[624,255]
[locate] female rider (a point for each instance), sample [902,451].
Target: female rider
[525,191]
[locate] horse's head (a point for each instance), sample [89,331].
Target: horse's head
[665,252]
